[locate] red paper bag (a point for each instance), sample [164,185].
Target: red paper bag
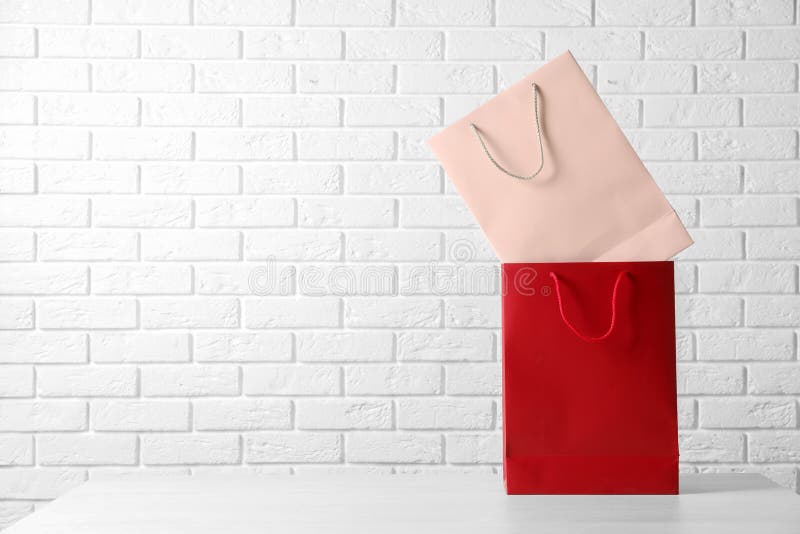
[589,394]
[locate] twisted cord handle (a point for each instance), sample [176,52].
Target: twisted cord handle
[575,331]
[538,137]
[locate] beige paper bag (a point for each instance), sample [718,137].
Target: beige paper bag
[593,199]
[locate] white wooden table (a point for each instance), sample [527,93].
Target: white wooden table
[415,504]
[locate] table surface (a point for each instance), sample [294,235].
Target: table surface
[389,504]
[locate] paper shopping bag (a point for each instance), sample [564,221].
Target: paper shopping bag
[549,175]
[589,394]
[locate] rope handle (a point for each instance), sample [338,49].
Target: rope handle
[538,137]
[613,309]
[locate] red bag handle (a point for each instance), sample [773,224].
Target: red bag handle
[613,309]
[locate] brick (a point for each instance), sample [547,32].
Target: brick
[750,143]
[16,381]
[242,347]
[189,380]
[719,379]
[86,381]
[406,178]
[290,245]
[293,380]
[38,484]
[18,42]
[16,314]
[140,415]
[86,449]
[544,13]
[643,13]
[451,78]
[750,77]
[748,211]
[191,179]
[88,177]
[43,279]
[141,279]
[694,44]
[339,78]
[434,212]
[42,415]
[708,310]
[188,449]
[292,179]
[344,13]
[346,145]
[16,109]
[646,78]
[719,244]
[190,111]
[697,178]
[289,312]
[377,312]
[382,380]
[393,111]
[344,347]
[483,448]
[773,43]
[11,512]
[43,75]
[774,110]
[392,447]
[42,348]
[218,77]
[243,12]
[39,143]
[445,346]
[595,44]
[687,413]
[429,414]
[82,245]
[703,446]
[393,246]
[754,12]
[477,312]
[16,449]
[747,413]
[347,280]
[777,446]
[133,12]
[45,11]
[135,77]
[242,414]
[664,145]
[468,245]
[87,313]
[293,44]
[494,45]
[88,42]
[347,212]
[190,43]
[774,310]
[739,345]
[692,111]
[343,414]
[292,111]
[139,347]
[190,313]
[449,279]
[141,145]
[17,178]
[473,379]
[245,279]
[142,212]
[773,243]
[247,212]
[773,379]
[292,447]
[241,145]
[194,245]
[397,44]
[747,278]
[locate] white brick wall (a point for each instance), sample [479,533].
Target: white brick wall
[155,155]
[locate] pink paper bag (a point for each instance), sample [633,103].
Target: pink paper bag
[593,199]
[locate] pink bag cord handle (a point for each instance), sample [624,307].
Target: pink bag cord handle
[613,309]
